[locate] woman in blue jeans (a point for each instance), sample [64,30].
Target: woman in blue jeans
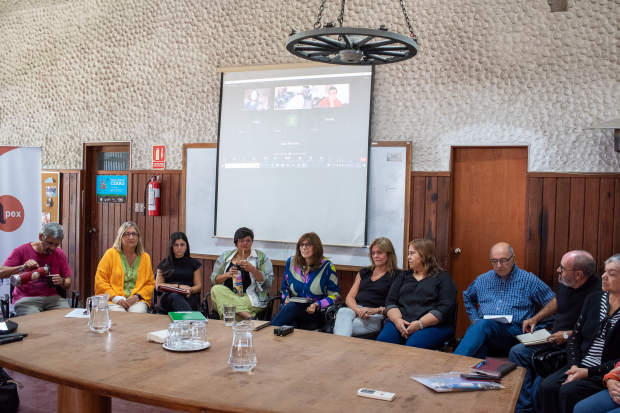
[421,305]
[606,401]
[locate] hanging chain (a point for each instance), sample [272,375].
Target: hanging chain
[317,25]
[402,4]
[341,17]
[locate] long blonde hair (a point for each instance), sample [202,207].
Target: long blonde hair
[385,245]
[118,242]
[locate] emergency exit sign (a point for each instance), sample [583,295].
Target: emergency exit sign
[159,156]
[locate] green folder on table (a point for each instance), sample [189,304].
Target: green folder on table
[186,316]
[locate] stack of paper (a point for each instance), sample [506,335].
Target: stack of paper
[506,319]
[537,337]
[157,336]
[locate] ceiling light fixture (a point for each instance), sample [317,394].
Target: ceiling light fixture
[352,45]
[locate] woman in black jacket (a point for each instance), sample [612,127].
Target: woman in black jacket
[592,350]
[421,305]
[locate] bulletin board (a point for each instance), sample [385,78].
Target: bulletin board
[50,197]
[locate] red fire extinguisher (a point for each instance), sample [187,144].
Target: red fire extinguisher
[152,205]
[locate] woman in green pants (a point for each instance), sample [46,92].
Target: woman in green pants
[252,295]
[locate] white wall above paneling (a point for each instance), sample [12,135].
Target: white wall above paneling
[488,72]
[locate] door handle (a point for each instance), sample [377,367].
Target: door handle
[457,251]
[92,231]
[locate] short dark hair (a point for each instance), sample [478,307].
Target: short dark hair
[242,233]
[332,88]
[585,263]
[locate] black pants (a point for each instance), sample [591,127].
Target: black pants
[554,397]
[177,302]
[293,313]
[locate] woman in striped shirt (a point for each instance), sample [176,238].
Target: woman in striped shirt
[592,350]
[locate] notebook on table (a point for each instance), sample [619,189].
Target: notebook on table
[186,316]
[494,367]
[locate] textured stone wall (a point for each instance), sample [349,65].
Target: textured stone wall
[487,72]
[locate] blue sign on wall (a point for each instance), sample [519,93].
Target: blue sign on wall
[111,188]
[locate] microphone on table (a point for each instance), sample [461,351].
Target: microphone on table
[27,276]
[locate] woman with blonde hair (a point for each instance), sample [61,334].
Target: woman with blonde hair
[421,305]
[365,302]
[125,272]
[310,276]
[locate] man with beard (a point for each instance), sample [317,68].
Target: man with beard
[40,294]
[577,280]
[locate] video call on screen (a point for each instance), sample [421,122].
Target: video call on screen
[295,131]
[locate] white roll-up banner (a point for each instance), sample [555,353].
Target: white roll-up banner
[20,200]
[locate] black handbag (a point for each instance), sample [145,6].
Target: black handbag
[548,360]
[330,317]
[9,399]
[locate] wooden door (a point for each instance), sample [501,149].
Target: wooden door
[488,206]
[101,220]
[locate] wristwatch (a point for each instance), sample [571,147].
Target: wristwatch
[140,297]
[565,335]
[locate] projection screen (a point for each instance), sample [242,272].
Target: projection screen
[293,149]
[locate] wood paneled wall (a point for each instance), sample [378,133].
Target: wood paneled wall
[565,212]
[571,213]
[69,217]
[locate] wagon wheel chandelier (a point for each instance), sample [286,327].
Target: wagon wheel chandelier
[352,45]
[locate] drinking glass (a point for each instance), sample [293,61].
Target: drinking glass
[173,339]
[199,334]
[186,335]
[229,314]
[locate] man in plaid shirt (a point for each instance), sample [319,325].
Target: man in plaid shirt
[505,290]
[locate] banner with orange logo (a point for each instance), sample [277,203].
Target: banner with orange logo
[20,200]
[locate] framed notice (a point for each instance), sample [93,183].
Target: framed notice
[111,189]
[50,199]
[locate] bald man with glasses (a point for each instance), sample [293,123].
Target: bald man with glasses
[505,290]
[578,279]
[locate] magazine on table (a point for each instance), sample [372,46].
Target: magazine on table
[451,382]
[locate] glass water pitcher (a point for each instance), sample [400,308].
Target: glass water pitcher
[242,356]
[97,308]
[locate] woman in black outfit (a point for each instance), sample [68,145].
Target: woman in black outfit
[365,308]
[179,270]
[592,350]
[421,305]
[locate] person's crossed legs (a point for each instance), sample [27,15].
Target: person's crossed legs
[488,333]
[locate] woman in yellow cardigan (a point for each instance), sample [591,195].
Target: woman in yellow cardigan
[125,272]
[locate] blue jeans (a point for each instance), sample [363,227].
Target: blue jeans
[431,337]
[599,403]
[522,355]
[485,333]
[291,313]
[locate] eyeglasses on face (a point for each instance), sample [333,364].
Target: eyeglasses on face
[130,235]
[305,246]
[502,261]
[562,269]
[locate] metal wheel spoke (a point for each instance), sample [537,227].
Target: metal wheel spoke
[319,54]
[347,41]
[318,44]
[315,49]
[336,43]
[397,54]
[363,42]
[374,56]
[374,45]
[387,49]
